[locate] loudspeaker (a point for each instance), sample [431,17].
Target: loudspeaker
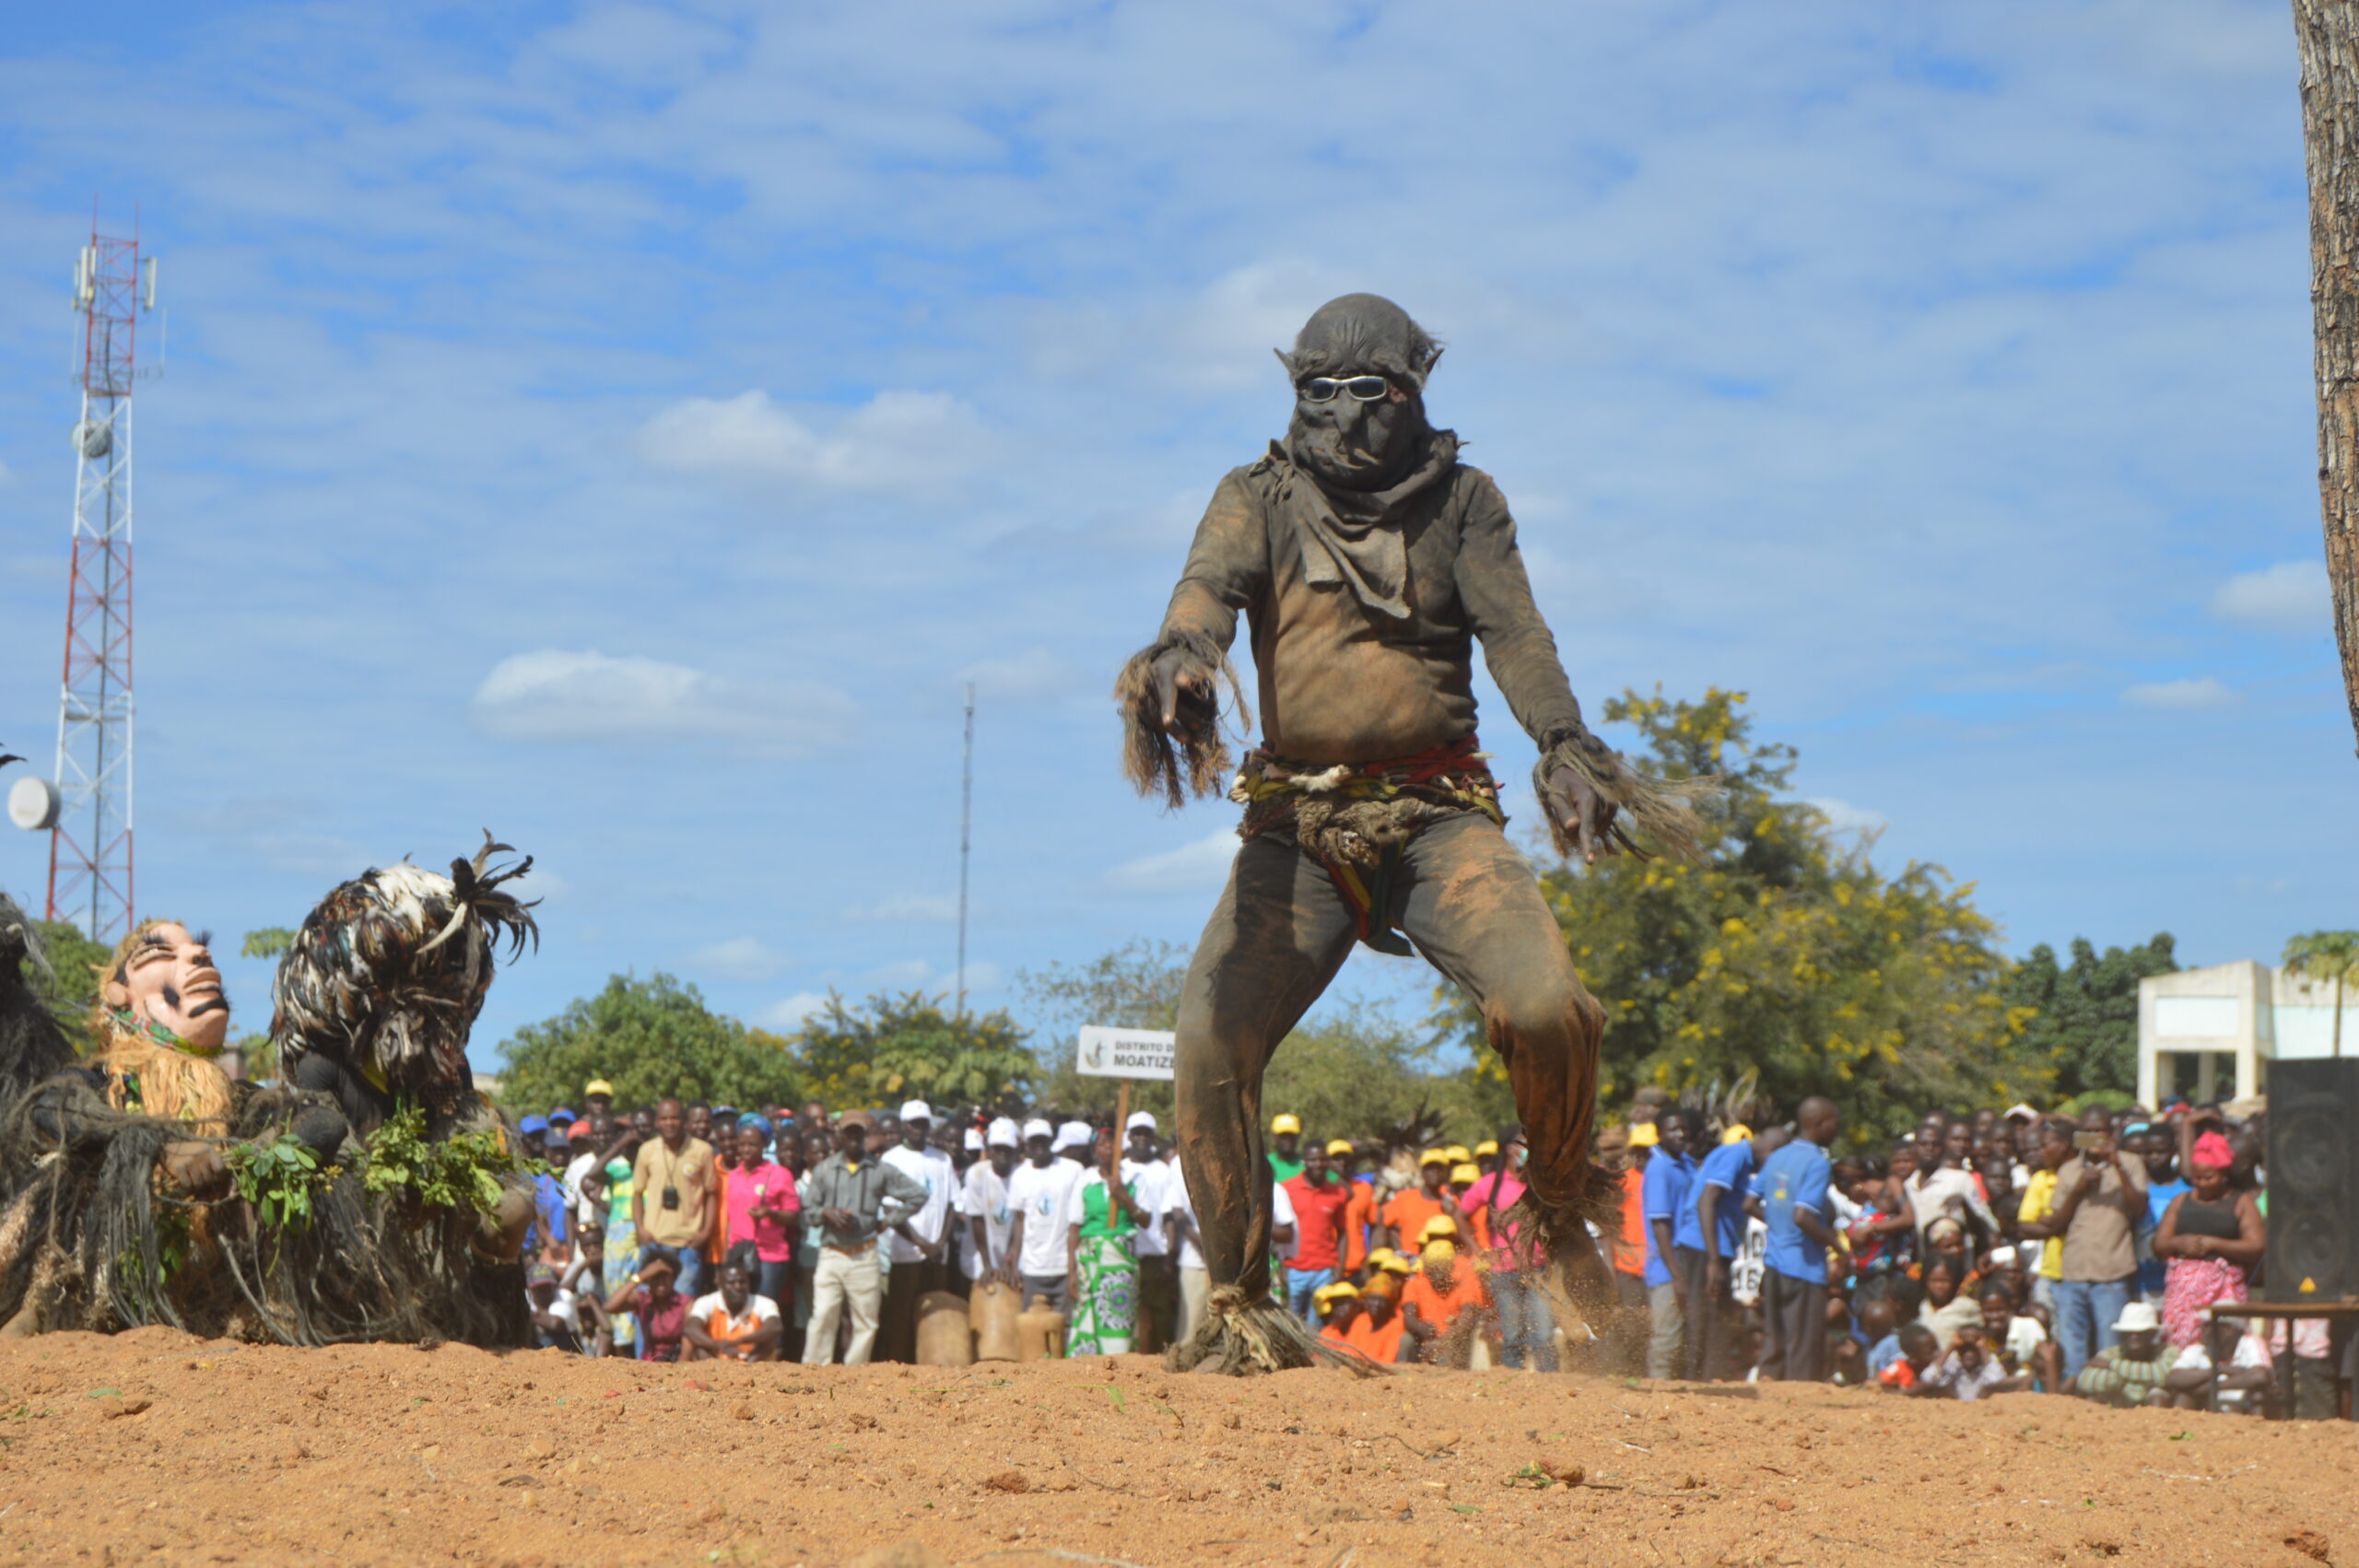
[2313,1172]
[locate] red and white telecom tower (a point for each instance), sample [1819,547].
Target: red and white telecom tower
[89,808]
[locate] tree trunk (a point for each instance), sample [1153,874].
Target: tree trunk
[2328,34]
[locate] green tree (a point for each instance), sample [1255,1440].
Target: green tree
[1350,1071]
[2084,1017]
[1783,952]
[906,1047]
[1134,986]
[2326,955]
[70,989]
[271,942]
[650,1039]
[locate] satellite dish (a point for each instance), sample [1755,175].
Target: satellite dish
[94,439]
[32,804]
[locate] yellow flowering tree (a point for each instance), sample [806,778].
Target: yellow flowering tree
[1784,951]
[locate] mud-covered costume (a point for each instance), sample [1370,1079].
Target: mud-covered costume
[1367,561]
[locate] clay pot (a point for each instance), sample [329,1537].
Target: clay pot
[944,1337]
[992,1310]
[1041,1332]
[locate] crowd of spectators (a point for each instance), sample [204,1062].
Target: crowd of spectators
[2110,1255]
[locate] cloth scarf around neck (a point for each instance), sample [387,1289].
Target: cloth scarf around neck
[1352,538]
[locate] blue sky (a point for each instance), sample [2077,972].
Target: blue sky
[625,427]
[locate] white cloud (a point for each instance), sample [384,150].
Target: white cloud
[1034,676]
[898,442]
[2291,596]
[558,694]
[916,974]
[1196,868]
[790,1012]
[2204,692]
[740,958]
[927,909]
[1845,817]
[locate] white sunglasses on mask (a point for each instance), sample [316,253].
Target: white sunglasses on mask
[1363,389]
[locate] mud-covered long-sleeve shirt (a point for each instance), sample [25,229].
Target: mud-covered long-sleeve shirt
[1340,684]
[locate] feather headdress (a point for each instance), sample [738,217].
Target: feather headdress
[388,973]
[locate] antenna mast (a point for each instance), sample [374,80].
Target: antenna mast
[965,841]
[90,845]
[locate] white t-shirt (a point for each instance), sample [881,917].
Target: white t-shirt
[932,1170]
[1145,1181]
[1933,1194]
[2025,1336]
[1038,1194]
[588,1210]
[1951,1374]
[1281,1213]
[1177,1201]
[985,1194]
[566,1310]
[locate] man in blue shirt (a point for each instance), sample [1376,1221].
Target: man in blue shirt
[1669,1174]
[1709,1233]
[1792,1184]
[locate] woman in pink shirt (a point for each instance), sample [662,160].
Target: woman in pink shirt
[758,1206]
[1527,1326]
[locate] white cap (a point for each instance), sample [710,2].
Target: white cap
[916,1110]
[1036,1127]
[2137,1317]
[1002,1134]
[1075,1132]
[1139,1120]
[975,1137]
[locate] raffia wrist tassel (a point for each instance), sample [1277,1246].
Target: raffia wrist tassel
[1197,762]
[1243,1339]
[1660,810]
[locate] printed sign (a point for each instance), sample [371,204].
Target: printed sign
[1124,1053]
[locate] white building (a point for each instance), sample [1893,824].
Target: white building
[2205,1033]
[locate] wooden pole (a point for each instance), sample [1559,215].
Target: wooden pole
[2327,33]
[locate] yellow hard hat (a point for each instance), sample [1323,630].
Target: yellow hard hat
[1438,1250]
[1395,1264]
[1285,1122]
[1644,1136]
[597,1086]
[1434,1157]
[1469,1172]
[1737,1133]
[1488,1146]
[1339,1146]
[1459,1153]
[1440,1225]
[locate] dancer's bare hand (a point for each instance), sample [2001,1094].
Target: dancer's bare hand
[1183,701]
[196,1169]
[1586,816]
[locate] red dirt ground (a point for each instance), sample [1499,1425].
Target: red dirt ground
[155,1447]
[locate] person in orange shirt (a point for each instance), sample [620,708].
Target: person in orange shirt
[1476,1223]
[1360,1213]
[1441,1290]
[1375,1332]
[1406,1214]
[1624,1152]
[1339,1306]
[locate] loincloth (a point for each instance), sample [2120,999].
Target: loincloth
[1355,820]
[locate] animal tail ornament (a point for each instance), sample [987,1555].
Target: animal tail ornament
[1662,809]
[1200,763]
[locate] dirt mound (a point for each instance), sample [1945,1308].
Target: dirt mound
[155,1447]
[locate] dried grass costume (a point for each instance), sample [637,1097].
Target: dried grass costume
[391,968]
[1367,561]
